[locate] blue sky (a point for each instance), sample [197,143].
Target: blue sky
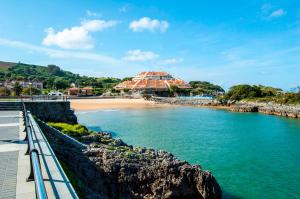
[225,42]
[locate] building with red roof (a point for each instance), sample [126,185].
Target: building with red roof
[86,91]
[152,83]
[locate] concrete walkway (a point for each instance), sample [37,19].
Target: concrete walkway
[14,165]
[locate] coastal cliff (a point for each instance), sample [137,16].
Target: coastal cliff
[110,168]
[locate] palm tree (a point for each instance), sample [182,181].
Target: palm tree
[17,88]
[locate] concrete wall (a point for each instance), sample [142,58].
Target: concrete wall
[72,153]
[56,111]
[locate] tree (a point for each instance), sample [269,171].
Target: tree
[203,87]
[17,88]
[269,91]
[54,70]
[127,78]
[53,77]
[31,91]
[61,83]
[98,91]
[173,88]
[113,90]
[4,91]
[243,91]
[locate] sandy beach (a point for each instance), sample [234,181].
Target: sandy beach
[94,104]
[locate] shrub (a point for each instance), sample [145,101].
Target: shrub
[4,91]
[113,90]
[74,130]
[31,91]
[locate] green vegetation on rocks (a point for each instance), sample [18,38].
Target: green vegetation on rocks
[103,140]
[244,91]
[261,93]
[74,130]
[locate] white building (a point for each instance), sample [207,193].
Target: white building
[24,84]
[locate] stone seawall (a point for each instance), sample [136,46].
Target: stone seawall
[186,101]
[292,111]
[55,111]
[110,168]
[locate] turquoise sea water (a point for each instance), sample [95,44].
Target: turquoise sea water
[252,155]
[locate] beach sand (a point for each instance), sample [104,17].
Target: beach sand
[94,104]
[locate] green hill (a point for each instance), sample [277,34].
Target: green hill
[4,66]
[52,76]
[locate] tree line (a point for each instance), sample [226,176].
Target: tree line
[54,78]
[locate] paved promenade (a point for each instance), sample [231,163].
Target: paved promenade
[14,165]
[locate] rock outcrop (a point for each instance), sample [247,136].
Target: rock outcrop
[112,169]
[268,108]
[242,106]
[186,101]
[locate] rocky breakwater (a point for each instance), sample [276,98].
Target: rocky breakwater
[268,108]
[112,169]
[186,101]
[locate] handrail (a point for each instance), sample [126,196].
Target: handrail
[30,98]
[35,170]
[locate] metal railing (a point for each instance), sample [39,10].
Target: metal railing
[35,167]
[21,98]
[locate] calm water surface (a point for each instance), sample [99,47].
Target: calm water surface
[251,155]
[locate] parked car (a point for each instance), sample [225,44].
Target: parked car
[55,93]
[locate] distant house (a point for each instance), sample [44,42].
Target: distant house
[55,93]
[86,91]
[24,84]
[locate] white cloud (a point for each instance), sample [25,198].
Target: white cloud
[61,54]
[77,37]
[269,12]
[92,14]
[73,38]
[98,25]
[277,13]
[149,24]
[138,55]
[172,61]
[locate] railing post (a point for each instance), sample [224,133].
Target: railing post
[31,174]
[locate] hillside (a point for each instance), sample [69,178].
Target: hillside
[51,76]
[5,65]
